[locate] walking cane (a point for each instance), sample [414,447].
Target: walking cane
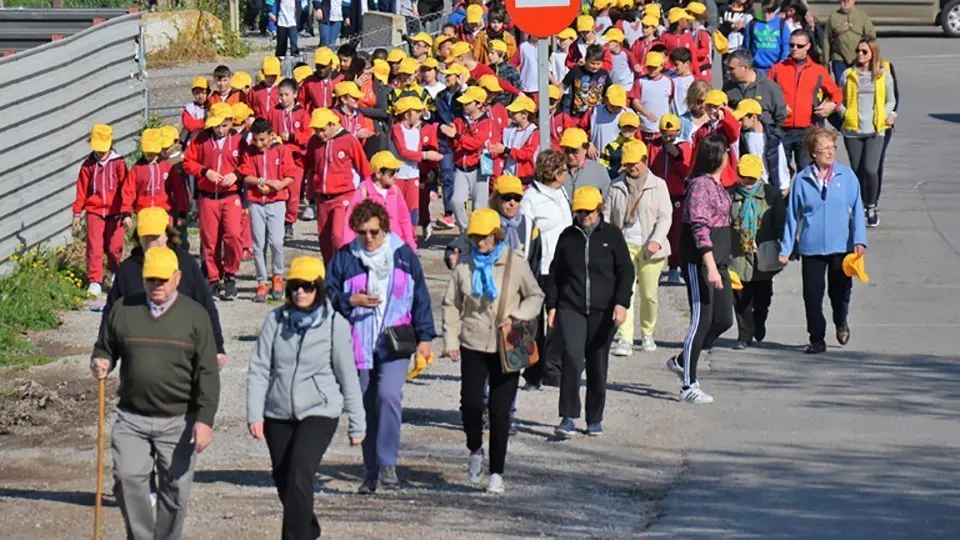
[101,405]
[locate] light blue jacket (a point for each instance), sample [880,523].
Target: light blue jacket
[830,220]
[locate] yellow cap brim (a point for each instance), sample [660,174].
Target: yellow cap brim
[101,146]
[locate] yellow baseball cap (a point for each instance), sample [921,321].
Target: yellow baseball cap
[241,80]
[854,266]
[490,83]
[696,8]
[422,37]
[347,88]
[385,160]
[200,82]
[152,221]
[633,152]
[669,122]
[616,95]
[483,222]
[587,199]
[600,4]
[522,103]
[241,111]
[381,70]
[654,59]
[555,92]
[474,14]
[460,48]
[301,73]
[218,114]
[160,263]
[409,103]
[654,9]
[567,33]
[307,269]
[574,138]
[678,14]
[270,66]
[456,69]
[430,63]
[750,166]
[408,66]
[101,138]
[499,46]
[650,20]
[473,93]
[322,118]
[396,56]
[613,34]
[626,4]
[629,119]
[747,106]
[324,56]
[151,141]
[170,135]
[509,184]
[717,98]
[585,23]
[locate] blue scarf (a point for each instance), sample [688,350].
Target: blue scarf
[299,321]
[749,216]
[482,281]
[512,229]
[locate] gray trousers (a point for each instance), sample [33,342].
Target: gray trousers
[138,444]
[865,152]
[470,186]
[266,226]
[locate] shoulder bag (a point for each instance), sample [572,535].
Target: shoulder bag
[516,343]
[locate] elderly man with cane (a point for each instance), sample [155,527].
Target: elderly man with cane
[169,392]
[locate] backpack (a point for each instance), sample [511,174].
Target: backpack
[751,45]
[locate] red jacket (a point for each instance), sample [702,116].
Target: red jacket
[559,123]
[800,86]
[729,127]
[354,122]
[156,184]
[99,186]
[703,55]
[205,153]
[525,154]
[574,56]
[274,164]
[498,113]
[262,98]
[193,117]
[674,41]
[640,49]
[297,124]
[472,138]
[317,93]
[335,167]
[673,170]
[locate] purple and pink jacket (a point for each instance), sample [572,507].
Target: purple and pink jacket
[706,222]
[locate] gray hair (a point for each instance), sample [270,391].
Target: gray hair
[743,55]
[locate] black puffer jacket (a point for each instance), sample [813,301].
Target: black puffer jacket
[590,274]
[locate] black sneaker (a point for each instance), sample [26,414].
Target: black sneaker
[368,487]
[530,387]
[760,333]
[216,289]
[388,477]
[816,348]
[843,334]
[287,232]
[741,345]
[594,429]
[229,289]
[873,219]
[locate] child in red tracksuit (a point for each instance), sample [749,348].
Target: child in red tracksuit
[559,121]
[267,168]
[195,113]
[154,181]
[408,137]
[671,160]
[316,91]
[521,140]
[348,96]
[213,158]
[99,195]
[723,122]
[242,120]
[334,165]
[291,123]
[264,96]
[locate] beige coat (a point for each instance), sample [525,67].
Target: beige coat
[469,321]
[655,212]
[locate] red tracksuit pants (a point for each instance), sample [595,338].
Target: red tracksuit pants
[220,235]
[103,234]
[293,203]
[410,189]
[331,215]
[246,235]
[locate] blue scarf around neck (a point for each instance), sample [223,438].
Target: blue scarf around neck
[299,320]
[483,282]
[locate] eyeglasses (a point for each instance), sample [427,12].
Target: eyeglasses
[798,45]
[369,233]
[511,197]
[307,286]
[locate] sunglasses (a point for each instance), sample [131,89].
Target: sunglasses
[511,197]
[369,233]
[307,286]
[863,51]
[798,45]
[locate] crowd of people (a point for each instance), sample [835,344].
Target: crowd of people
[654,177]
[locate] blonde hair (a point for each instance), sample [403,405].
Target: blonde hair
[697,91]
[815,136]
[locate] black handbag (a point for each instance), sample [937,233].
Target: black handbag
[400,341]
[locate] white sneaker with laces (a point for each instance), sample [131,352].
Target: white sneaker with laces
[94,289]
[621,348]
[695,395]
[495,485]
[648,344]
[475,471]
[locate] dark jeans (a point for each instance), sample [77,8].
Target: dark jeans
[475,368]
[752,305]
[296,448]
[838,286]
[711,314]
[837,67]
[586,344]
[446,178]
[887,135]
[865,155]
[285,34]
[793,139]
[256,9]
[771,154]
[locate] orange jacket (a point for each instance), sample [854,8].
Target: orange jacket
[99,186]
[801,85]
[155,184]
[481,47]
[234,97]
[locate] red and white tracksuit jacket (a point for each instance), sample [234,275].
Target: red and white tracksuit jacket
[276,163]
[262,98]
[522,149]
[296,122]
[317,93]
[100,185]
[729,127]
[336,166]
[473,137]
[193,117]
[156,184]
[222,155]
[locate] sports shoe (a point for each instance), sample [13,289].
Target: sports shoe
[843,334]
[695,395]
[565,429]
[741,345]
[594,429]
[674,277]
[229,289]
[428,231]
[647,344]
[262,291]
[308,213]
[475,469]
[216,289]
[388,477]
[673,364]
[368,487]
[277,293]
[287,232]
[873,219]
[445,223]
[94,289]
[621,348]
[815,348]
[530,387]
[760,333]
[495,484]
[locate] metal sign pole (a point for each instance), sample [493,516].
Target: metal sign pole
[543,92]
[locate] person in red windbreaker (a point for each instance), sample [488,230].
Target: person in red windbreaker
[154,181]
[291,123]
[268,170]
[671,160]
[100,200]
[264,96]
[212,158]
[408,137]
[334,165]
[316,91]
[721,120]
[195,112]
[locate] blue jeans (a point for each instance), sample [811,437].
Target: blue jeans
[837,67]
[285,34]
[382,389]
[329,32]
[446,178]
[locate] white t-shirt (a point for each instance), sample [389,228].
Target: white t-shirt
[632,31]
[411,141]
[529,72]
[622,72]
[681,85]
[755,145]
[287,13]
[558,65]
[435,88]
[656,97]
[604,127]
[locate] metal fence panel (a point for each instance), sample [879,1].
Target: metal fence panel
[50,97]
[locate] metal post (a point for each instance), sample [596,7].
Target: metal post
[142,73]
[543,92]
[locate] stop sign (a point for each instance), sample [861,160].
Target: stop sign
[542,18]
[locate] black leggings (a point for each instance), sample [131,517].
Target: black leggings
[752,305]
[475,367]
[711,314]
[887,135]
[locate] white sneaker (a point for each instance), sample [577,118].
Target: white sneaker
[94,289]
[495,485]
[621,348]
[695,395]
[308,213]
[475,472]
[674,366]
[648,344]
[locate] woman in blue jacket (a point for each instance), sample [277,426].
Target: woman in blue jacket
[377,283]
[825,205]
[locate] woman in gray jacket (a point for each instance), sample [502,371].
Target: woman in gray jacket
[301,379]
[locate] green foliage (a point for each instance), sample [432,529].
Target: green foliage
[153,122]
[74,4]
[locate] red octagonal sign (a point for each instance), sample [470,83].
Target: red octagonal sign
[542,18]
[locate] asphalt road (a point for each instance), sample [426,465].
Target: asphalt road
[861,441]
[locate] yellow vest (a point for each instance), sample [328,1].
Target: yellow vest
[851,117]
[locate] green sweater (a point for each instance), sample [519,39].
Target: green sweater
[844,31]
[169,365]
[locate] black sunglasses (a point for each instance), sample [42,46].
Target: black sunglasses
[798,45]
[307,286]
[511,197]
[370,233]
